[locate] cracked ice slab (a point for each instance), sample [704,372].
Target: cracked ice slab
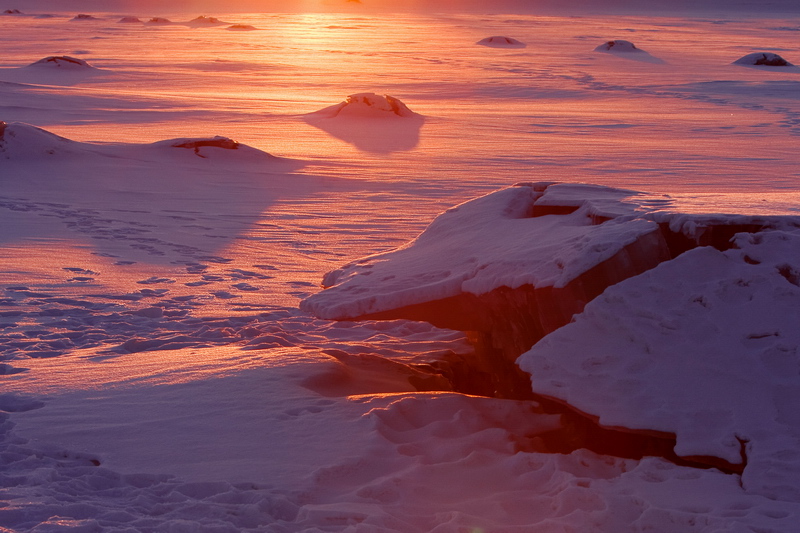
[537,234]
[704,346]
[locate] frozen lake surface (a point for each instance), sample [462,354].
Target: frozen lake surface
[156,372]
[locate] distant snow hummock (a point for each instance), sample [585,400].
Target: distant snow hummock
[501,42]
[205,20]
[12,12]
[241,27]
[129,20]
[83,16]
[617,45]
[367,105]
[159,20]
[65,62]
[763,59]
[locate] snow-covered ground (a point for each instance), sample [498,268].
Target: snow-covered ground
[166,206]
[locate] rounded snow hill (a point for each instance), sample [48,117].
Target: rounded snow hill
[371,122]
[83,16]
[241,27]
[129,20]
[12,12]
[367,105]
[19,140]
[65,62]
[159,20]
[501,42]
[763,59]
[202,20]
[218,148]
[618,45]
[628,50]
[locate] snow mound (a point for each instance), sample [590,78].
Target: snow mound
[23,141]
[764,59]
[618,45]
[62,62]
[217,147]
[83,16]
[241,27]
[501,42]
[367,105]
[12,12]
[129,20]
[18,140]
[159,20]
[704,346]
[202,20]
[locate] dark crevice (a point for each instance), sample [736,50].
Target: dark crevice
[790,274]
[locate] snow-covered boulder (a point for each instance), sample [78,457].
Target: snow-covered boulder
[367,105]
[241,27]
[618,46]
[498,41]
[371,122]
[627,50]
[202,20]
[83,16]
[62,62]
[763,59]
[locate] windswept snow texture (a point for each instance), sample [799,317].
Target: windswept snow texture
[156,373]
[763,59]
[501,42]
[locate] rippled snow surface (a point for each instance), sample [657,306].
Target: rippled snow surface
[148,300]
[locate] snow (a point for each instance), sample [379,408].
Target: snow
[500,240]
[371,122]
[163,214]
[765,59]
[618,46]
[703,346]
[498,41]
